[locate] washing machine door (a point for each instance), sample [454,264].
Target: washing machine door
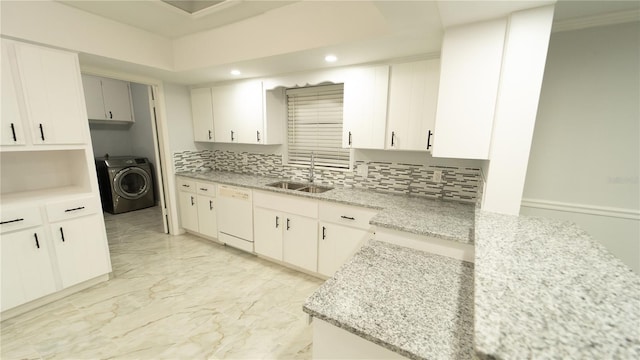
[131,183]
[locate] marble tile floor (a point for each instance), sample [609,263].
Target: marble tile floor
[170,297]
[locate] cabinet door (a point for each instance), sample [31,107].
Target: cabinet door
[53,95]
[413,95]
[117,99]
[202,112]
[250,112]
[188,203]
[207,223]
[93,97]
[238,112]
[268,227]
[12,132]
[336,245]
[81,249]
[27,273]
[300,242]
[365,108]
[470,76]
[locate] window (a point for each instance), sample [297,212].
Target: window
[314,125]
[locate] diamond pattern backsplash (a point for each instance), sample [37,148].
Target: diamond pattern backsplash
[456,183]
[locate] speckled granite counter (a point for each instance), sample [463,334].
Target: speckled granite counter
[417,304]
[545,289]
[442,219]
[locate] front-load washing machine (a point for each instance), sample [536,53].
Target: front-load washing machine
[126,183]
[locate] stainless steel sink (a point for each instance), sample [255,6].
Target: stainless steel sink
[287,185]
[314,189]
[309,188]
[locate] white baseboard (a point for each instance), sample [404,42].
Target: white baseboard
[630,214]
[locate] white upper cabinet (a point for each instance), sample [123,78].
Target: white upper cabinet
[238,112]
[12,132]
[365,107]
[107,100]
[413,95]
[53,94]
[202,112]
[92,87]
[117,99]
[469,79]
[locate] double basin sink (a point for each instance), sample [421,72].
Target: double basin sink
[308,188]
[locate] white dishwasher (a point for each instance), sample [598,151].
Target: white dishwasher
[235,217]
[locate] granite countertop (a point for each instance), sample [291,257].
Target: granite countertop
[546,289]
[446,220]
[417,304]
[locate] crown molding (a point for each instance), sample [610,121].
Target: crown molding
[596,20]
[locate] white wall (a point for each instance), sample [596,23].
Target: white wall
[114,140]
[178,107]
[53,23]
[585,158]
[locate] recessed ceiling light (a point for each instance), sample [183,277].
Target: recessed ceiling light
[330,58]
[235,72]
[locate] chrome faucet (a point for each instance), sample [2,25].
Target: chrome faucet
[311,167]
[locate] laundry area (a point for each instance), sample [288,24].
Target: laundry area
[124,142]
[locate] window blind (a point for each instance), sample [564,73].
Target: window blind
[315,125]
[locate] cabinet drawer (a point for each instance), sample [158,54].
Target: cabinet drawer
[286,203]
[186,185]
[206,189]
[347,215]
[12,219]
[70,209]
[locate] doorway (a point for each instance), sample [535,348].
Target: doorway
[137,138]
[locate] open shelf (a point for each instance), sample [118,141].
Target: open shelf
[36,175]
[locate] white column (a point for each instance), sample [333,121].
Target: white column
[516,108]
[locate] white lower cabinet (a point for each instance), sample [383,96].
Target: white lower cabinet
[187,202]
[207,224]
[268,232]
[300,242]
[197,203]
[79,250]
[188,210]
[44,254]
[314,236]
[336,245]
[342,231]
[27,272]
[286,229]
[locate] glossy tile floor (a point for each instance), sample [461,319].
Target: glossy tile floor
[172,297]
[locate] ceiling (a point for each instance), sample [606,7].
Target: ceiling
[166,20]
[413,28]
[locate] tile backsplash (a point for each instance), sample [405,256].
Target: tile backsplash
[455,183]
